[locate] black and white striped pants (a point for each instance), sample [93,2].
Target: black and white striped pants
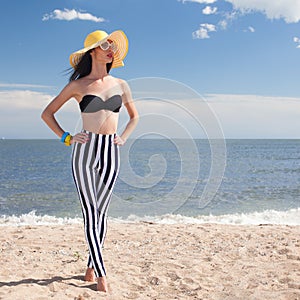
[95,167]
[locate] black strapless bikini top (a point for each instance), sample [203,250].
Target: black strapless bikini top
[92,103]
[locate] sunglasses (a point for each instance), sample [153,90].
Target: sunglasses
[108,44]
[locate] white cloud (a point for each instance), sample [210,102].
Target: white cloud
[71,14]
[208,10]
[23,85]
[255,116]
[243,98]
[199,1]
[297,41]
[223,24]
[202,32]
[251,29]
[240,116]
[20,114]
[209,27]
[19,100]
[229,17]
[288,10]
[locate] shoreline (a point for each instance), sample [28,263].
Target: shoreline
[147,260]
[289,217]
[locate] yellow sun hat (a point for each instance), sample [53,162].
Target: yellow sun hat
[94,39]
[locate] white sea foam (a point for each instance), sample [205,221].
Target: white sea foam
[290,217]
[33,219]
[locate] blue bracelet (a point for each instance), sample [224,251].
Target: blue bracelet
[64,136]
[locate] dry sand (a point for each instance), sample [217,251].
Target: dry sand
[153,261]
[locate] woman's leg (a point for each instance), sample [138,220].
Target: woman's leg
[84,161]
[106,177]
[107,173]
[95,169]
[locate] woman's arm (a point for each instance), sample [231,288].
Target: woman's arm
[132,112]
[47,115]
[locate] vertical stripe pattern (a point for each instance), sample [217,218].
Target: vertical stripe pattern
[95,167]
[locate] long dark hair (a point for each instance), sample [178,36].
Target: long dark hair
[84,67]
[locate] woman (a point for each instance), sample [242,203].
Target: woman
[95,156]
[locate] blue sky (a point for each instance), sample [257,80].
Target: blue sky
[242,56]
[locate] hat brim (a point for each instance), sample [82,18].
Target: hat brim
[118,37]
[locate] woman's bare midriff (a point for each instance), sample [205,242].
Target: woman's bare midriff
[100,122]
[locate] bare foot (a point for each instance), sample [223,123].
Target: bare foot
[102,284]
[89,275]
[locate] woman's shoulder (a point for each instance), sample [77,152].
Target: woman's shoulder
[79,84]
[73,89]
[122,83]
[75,83]
[118,79]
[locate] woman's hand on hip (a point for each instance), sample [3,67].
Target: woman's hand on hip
[81,138]
[119,141]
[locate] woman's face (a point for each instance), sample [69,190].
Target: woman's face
[103,56]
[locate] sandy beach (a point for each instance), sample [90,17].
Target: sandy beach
[153,261]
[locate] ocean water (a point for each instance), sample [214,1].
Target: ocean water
[161,180]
